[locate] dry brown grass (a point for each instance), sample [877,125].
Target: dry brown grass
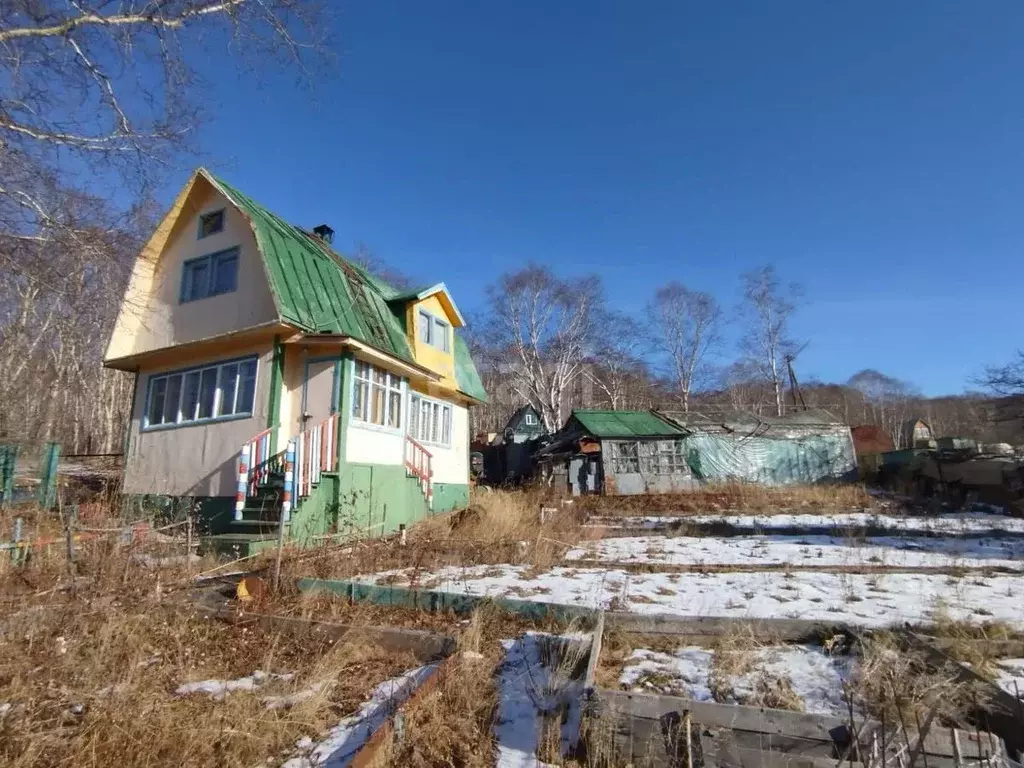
[498,527]
[93,684]
[451,724]
[737,497]
[893,683]
[90,661]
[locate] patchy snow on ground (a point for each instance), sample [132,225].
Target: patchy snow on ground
[815,677]
[949,522]
[348,737]
[1011,676]
[858,599]
[684,672]
[218,689]
[526,690]
[807,550]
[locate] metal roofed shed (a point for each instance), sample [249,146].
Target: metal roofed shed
[611,424]
[637,452]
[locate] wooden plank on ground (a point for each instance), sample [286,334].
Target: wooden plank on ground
[793,630]
[781,723]
[769,721]
[426,646]
[590,680]
[1002,713]
[367,755]
[433,600]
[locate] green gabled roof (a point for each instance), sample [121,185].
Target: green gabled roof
[466,377]
[316,289]
[626,424]
[319,291]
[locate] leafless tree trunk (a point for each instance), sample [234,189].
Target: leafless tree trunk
[686,326]
[540,328]
[767,308]
[64,251]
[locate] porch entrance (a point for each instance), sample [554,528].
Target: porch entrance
[320,390]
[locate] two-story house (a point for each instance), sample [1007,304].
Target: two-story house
[275,378]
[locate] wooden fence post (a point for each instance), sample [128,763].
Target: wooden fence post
[280,552]
[188,543]
[69,538]
[16,553]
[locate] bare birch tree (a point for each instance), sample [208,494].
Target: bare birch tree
[540,329]
[686,327]
[767,309]
[617,363]
[99,101]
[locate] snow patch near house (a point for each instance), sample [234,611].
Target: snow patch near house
[351,734]
[218,689]
[857,599]
[815,677]
[951,522]
[527,690]
[807,550]
[1010,676]
[684,672]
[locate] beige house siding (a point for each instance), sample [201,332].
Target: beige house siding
[153,316]
[194,460]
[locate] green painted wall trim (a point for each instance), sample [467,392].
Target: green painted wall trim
[317,515]
[431,600]
[450,496]
[376,498]
[274,406]
[347,371]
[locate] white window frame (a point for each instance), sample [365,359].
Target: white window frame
[530,419]
[217,370]
[438,409]
[363,387]
[433,331]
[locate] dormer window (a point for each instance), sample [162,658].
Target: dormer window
[434,331]
[211,223]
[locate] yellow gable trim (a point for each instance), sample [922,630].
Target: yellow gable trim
[140,284]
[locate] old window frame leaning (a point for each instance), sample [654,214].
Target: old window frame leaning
[201,394]
[430,420]
[208,286]
[376,397]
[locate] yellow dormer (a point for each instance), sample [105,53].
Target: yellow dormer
[430,320]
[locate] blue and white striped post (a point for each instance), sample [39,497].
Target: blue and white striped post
[243,480]
[289,481]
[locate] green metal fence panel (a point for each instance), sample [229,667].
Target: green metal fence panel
[48,478]
[8,464]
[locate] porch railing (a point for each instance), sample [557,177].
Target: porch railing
[316,452]
[255,464]
[419,464]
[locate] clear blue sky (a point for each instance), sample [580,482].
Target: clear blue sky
[872,151]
